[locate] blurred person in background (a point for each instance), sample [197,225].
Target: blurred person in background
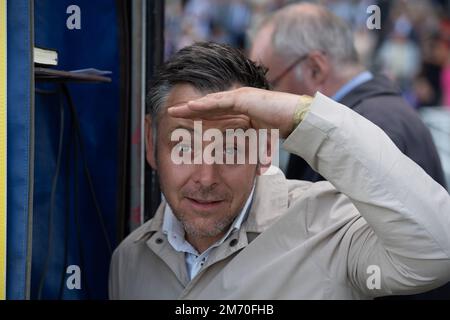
[405,52]
[428,85]
[237,21]
[413,50]
[399,56]
[222,21]
[308,49]
[445,75]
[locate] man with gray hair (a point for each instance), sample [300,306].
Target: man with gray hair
[308,49]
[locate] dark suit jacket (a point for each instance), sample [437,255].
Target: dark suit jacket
[381,102]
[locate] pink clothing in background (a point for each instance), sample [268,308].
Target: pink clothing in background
[445,84]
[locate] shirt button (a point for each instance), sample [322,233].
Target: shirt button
[233,242]
[159,240]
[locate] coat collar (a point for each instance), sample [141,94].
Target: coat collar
[269,203]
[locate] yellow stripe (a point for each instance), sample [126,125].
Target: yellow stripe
[3,75]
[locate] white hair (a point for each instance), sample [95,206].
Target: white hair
[300,29]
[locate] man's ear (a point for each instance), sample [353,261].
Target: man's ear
[318,67]
[149,141]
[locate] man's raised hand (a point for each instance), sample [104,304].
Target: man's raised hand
[266,109]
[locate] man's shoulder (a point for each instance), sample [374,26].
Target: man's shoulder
[297,190]
[321,193]
[320,204]
[300,190]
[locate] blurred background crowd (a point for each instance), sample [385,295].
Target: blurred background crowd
[412,46]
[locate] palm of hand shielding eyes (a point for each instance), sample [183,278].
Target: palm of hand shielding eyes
[266,109]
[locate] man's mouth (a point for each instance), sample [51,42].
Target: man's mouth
[204,204]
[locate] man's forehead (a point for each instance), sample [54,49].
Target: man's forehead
[223,123]
[183,93]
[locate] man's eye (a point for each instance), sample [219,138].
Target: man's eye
[231,150]
[184,148]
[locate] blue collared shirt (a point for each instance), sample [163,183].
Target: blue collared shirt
[352,84]
[174,231]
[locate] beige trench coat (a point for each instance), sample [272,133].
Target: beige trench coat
[381,217]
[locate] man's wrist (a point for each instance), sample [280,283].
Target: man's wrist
[302,109]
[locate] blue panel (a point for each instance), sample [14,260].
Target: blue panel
[95,45]
[19,82]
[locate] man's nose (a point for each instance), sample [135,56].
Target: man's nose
[206,174]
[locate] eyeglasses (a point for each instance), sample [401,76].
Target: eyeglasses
[274,82]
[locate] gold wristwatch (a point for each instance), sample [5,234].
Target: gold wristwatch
[302,109]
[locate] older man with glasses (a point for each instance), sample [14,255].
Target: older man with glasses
[309,49]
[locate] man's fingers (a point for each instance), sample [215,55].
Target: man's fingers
[180,111]
[186,111]
[211,105]
[213,101]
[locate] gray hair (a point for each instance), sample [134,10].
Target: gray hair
[300,29]
[208,67]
